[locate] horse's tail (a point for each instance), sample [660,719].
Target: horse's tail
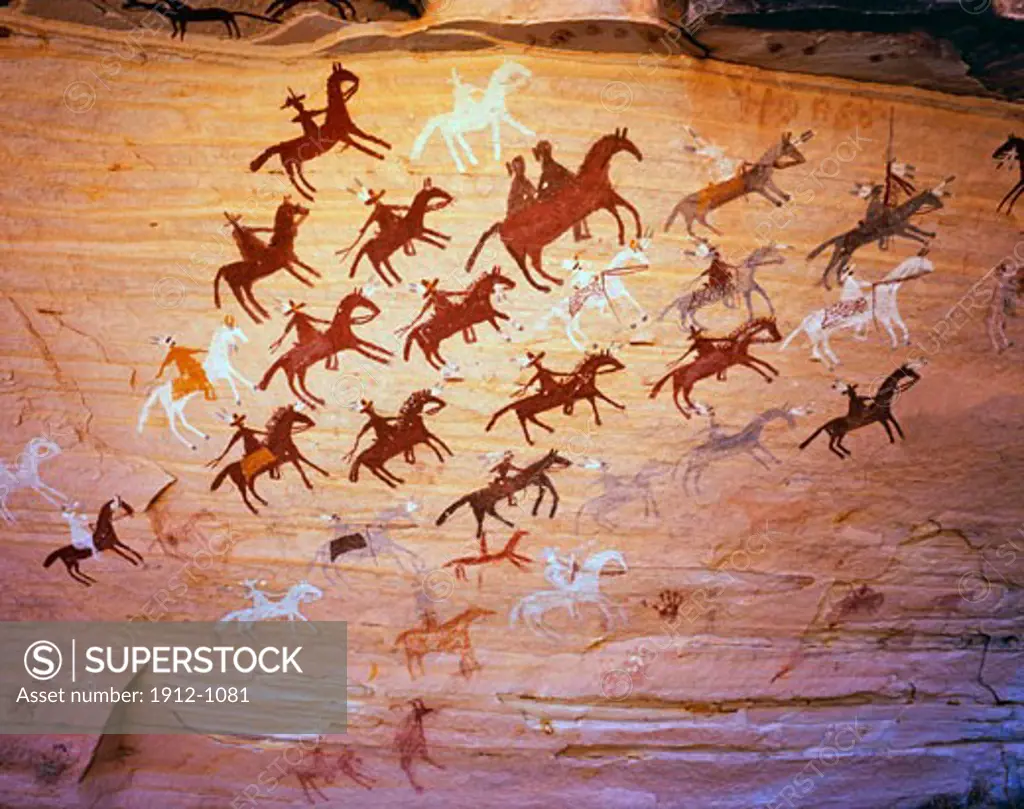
[480,245]
[146,408]
[794,333]
[661,383]
[680,209]
[53,557]
[498,414]
[264,156]
[817,250]
[220,477]
[815,434]
[452,509]
[424,136]
[273,369]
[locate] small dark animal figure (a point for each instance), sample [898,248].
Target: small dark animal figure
[1013,149]
[411,743]
[317,765]
[868,410]
[483,501]
[278,8]
[104,538]
[485,557]
[181,14]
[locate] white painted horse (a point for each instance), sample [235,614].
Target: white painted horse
[858,306]
[225,342]
[264,609]
[573,587]
[603,291]
[472,114]
[26,475]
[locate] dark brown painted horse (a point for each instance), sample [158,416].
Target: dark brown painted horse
[278,449]
[715,355]
[260,260]
[338,127]
[579,384]
[315,346]
[104,538]
[399,436]
[483,501]
[475,307]
[1013,149]
[390,240]
[529,230]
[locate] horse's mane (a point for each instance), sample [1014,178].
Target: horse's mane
[275,419]
[748,327]
[595,148]
[415,399]
[590,358]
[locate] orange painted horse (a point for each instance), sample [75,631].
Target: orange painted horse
[526,232]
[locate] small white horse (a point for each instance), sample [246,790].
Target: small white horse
[26,475]
[604,291]
[263,609]
[859,305]
[225,342]
[574,585]
[472,114]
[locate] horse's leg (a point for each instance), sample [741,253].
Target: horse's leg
[291,168]
[301,396]
[761,362]
[237,288]
[677,388]
[367,136]
[888,431]
[447,135]
[299,278]
[293,259]
[760,291]
[310,464]
[185,421]
[75,572]
[612,402]
[123,555]
[533,417]
[554,499]
[832,439]
[247,289]
[512,122]
[380,474]
[593,406]
[520,259]
[748,362]
[522,423]
[172,422]
[302,384]
[618,200]
[435,234]
[302,473]
[460,138]
[363,148]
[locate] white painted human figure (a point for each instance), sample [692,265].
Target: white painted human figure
[26,475]
[474,110]
[574,585]
[81,531]
[725,167]
[217,365]
[1002,303]
[859,305]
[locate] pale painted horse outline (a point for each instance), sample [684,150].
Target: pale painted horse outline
[26,475]
[573,587]
[859,305]
[473,114]
[603,291]
[288,606]
[376,535]
[216,366]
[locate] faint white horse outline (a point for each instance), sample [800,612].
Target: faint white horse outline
[26,475]
[859,305]
[288,606]
[377,537]
[217,365]
[570,590]
[470,114]
[601,291]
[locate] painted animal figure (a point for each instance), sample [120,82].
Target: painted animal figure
[859,305]
[486,557]
[175,394]
[621,490]
[752,178]
[720,287]
[319,766]
[887,223]
[410,742]
[579,384]
[393,237]
[261,260]
[864,411]
[288,606]
[450,637]
[278,8]
[355,541]
[317,346]
[575,586]
[26,475]
[88,540]
[401,438]
[475,110]
[474,307]
[218,365]
[278,449]
[1012,149]
[604,291]
[1003,302]
[338,127]
[721,444]
[527,232]
[180,14]
[714,356]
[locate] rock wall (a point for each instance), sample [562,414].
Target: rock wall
[797,630]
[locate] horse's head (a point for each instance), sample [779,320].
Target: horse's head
[915,365]
[604,363]
[289,419]
[356,299]
[432,198]
[557,461]
[121,507]
[766,254]
[511,75]
[605,148]
[304,591]
[1009,149]
[844,388]
[292,210]
[424,401]
[475,613]
[497,279]
[42,448]
[765,325]
[788,148]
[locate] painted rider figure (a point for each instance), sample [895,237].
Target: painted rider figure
[521,193]
[501,472]
[444,302]
[558,567]
[303,117]
[720,276]
[81,530]
[544,377]
[382,426]
[251,442]
[387,217]
[305,331]
[192,377]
